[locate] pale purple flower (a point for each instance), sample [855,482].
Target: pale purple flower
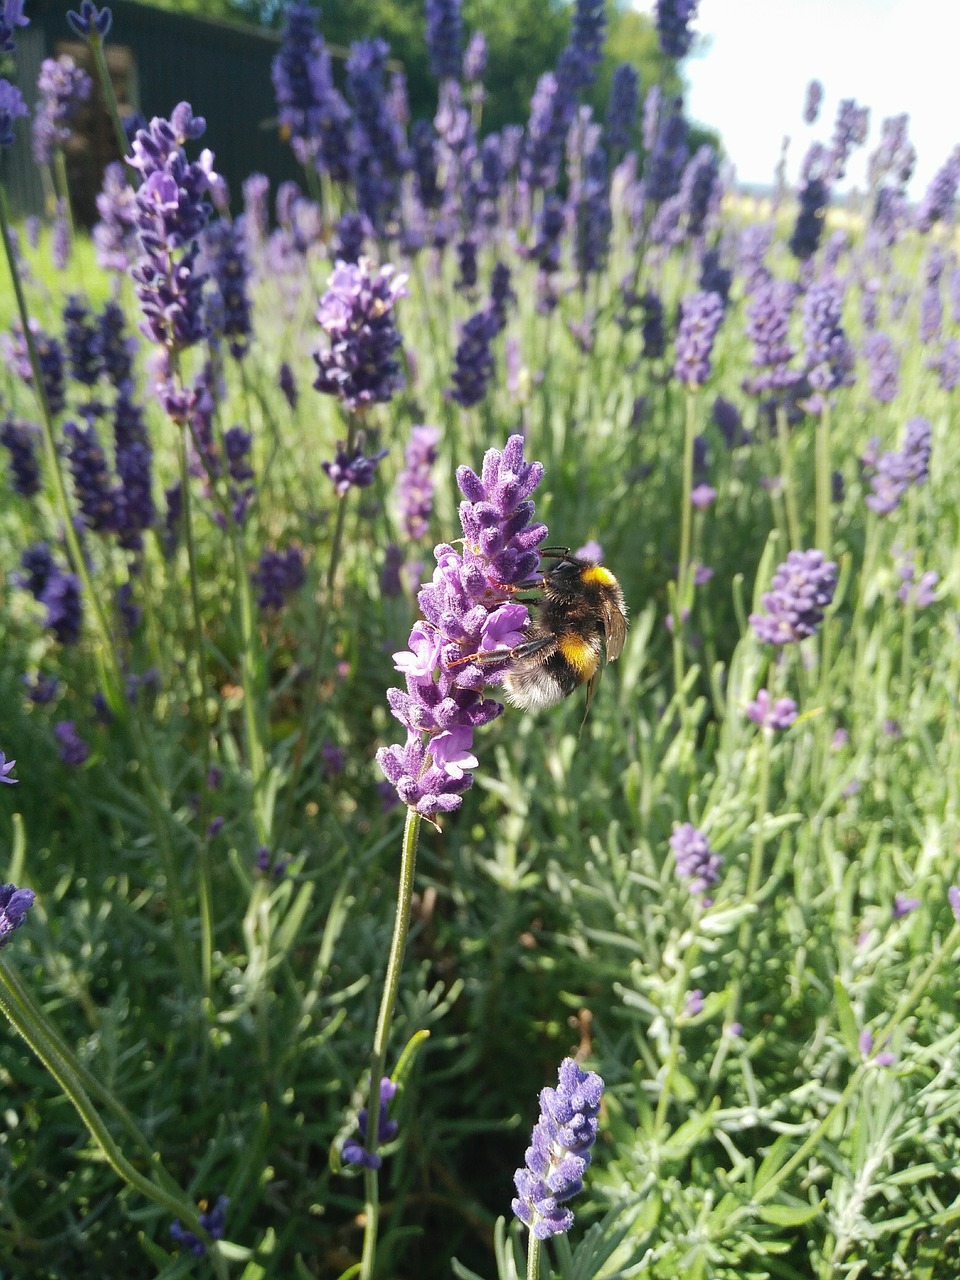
[701,315]
[812,101]
[560,1151]
[802,588]
[770,714]
[695,860]
[903,905]
[14,905]
[6,771]
[415,483]
[358,363]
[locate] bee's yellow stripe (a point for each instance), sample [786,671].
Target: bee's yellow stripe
[597,575]
[581,655]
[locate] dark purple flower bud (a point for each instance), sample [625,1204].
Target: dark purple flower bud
[352,471]
[473,363]
[695,860]
[288,385]
[560,1151]
[213,1221]
[415,483]
[224,247]
[729,422]
[770,714]
[653,326]
[61,599]
[379,150]
[588,31]
[425,164]
[673,19]
[444,38]
[354,1152]
[20,440]
[812,101]
[622,107]
[667,158]
[278,575]
[91,477]
[701,315]
[714,277]
[90,23]
[349,235]
[358,365]
[813,198]
[14,905]
[73,750]
[40,565]
[82,337]
[802,588]
[467,263]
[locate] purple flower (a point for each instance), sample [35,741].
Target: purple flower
[693,1005]
[352,471]
[62,87]
[701,315]
[702,495]
[91,477]
[473,362]
[667,157]
[12,107]
[415,482]
[379,151]
[14,905]
[475,59]
[170,211]
[311,112]
[892,472]
[769,714]
[357,363]
[729,422]
[849,131]
[802,588]
[60,596]
[866,1043]
[921,594]
[224,247]
[903,905]
[946,364]
[812,101]
[560,1151]
[808,229]
[213,1221]
[940,198]
[6,769]
[695,860]
[115,235]
[90,23]
[444,38]
[354,1152]
[953,897]
[622,107]
[768,327]
[673,26]
[830,358]
[278,575]
[883,367]
[467,610]
[20,440]
[73,749]
[11,17]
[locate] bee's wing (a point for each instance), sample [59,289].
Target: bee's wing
[616,629]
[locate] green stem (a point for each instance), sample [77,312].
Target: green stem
[686,510]
[109,97]
[198,695]
[824,483]
[745,934]
[786,479]
[378,1056]
[533,1257]
[63,1067]
[308,719]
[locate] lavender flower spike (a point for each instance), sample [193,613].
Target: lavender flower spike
[14,905]
[467,609]
[803,587]
[560,1151]
[354,1152]
[700,317]
[358,363]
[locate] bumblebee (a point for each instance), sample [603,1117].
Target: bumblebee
[580,621]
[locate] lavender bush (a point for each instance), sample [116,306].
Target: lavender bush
[267,477]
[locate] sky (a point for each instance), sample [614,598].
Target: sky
[748,79]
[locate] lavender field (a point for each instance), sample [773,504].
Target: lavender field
[664,990]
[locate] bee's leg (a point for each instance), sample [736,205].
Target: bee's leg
[525,650]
